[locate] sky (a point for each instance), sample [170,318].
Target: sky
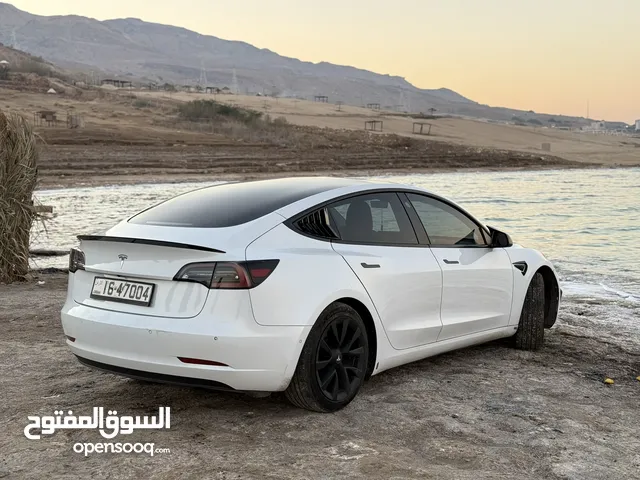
[550,56]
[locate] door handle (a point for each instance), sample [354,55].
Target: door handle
[451,262]
[370,265]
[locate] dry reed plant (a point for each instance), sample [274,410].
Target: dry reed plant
[18,178]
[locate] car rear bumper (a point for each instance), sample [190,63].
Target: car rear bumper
[155,377]
[252,357]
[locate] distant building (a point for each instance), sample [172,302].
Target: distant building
[637,125]
[117,83]
[45,117]
[595,127]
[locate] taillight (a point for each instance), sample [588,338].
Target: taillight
[76,260]
[197,272]
[259,270]
[228,275]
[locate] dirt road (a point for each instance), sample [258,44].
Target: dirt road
[484,412]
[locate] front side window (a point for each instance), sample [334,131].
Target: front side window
[446,225]
[377,218]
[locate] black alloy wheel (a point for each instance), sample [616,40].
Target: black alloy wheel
[340,360]
[333,363]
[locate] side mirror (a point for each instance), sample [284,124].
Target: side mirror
[500,239]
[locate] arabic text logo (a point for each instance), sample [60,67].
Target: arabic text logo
[109,426]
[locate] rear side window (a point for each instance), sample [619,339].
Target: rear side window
[230,204]
[377,218]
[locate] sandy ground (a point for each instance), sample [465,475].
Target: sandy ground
[120,143]
[579,147]
[484,412]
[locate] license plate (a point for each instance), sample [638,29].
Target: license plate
[124,291]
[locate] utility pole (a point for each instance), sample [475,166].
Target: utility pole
[14,41]
[234,82]
[587,109]
[203,76]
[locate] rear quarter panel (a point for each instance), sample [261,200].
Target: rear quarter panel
[309,277]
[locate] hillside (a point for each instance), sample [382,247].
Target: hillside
[166,53]
[137,50]
[25,72]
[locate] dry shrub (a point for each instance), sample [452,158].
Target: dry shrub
[18,177]
[142,103]
[236,122]
[34,66]
[212,111]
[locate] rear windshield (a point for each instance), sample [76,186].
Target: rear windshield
[231,204]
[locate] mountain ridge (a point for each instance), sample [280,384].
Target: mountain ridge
[132,48]
[72,40]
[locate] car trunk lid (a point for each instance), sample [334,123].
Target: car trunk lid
[142,264]
[154,255]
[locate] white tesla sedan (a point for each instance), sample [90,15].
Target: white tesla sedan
[302,285]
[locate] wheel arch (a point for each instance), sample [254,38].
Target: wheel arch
[551,295]
[372,335]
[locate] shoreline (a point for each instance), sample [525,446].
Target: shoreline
[50,183]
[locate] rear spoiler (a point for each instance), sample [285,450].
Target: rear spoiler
[143,241]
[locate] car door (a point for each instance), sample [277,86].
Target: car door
[477,280]
[401,276]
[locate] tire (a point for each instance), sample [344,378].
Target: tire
[333,362]
[530,334]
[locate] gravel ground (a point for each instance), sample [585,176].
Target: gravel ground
[483,412]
